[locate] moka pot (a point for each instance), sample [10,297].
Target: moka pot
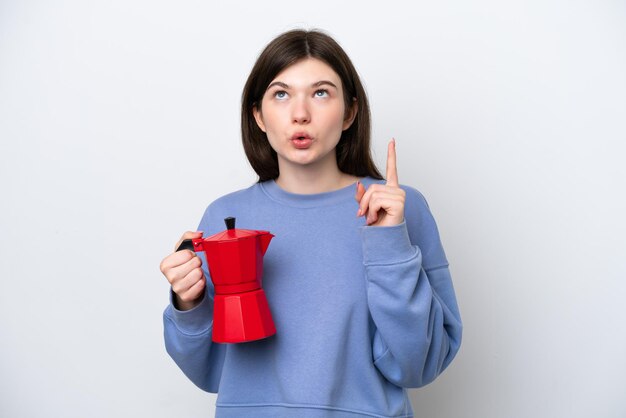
[235,261]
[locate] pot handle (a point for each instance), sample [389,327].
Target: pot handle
[194,245]
[187,244]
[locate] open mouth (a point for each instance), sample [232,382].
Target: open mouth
[301,141]
[300,135]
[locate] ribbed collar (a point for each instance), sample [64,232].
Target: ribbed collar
[345,194]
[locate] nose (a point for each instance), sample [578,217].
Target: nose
[300,111]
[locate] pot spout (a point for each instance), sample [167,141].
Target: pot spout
[265,241]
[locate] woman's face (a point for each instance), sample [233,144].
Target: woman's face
[303,114]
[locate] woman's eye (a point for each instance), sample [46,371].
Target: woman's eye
[280,94]
[321,93]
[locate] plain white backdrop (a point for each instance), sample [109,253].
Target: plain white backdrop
[510,118]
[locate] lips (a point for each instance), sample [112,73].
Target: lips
[301,140]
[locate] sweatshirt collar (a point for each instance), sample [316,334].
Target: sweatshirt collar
[334,197]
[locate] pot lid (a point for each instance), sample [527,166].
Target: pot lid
[231,233]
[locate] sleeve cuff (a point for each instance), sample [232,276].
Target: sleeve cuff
[386,244]
[196,320]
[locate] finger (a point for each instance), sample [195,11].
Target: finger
[360,191]
[392,171]
[372,216]
[377,188]
[188,235]
[176,259]
[364,198]
[188,289]
[196,290]
[178,272]
[384,203]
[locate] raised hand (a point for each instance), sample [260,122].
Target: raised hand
[383,204]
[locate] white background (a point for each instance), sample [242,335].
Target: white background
[510,118]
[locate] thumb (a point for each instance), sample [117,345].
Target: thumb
[360,191]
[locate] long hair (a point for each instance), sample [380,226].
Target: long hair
[353,150]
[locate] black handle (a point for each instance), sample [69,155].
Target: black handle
[185,245]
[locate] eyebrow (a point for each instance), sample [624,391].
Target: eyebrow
[316,84]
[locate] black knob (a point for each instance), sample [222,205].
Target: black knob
[230,222]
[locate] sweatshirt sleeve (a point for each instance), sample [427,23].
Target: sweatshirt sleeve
[411,297]
[188,336]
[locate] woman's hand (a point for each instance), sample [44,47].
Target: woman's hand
[182,270]
[383,204]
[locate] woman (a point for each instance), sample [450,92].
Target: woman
[360,292]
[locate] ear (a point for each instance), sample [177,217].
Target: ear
[258,117]
[350,114]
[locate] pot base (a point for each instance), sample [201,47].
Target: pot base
[242,317]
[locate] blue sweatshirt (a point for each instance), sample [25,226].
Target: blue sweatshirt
[361,312]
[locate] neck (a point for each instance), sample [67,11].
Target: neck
[313,179]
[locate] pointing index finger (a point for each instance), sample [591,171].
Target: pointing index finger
[392,171]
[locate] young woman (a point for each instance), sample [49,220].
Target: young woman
[356,276]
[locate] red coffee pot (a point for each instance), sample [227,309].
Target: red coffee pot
[235,257]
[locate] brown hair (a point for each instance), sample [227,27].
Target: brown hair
[353,150]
